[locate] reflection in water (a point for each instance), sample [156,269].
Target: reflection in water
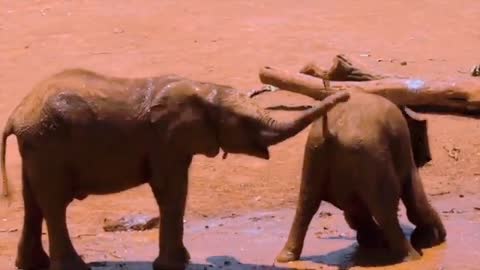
[352,256]
[252,242]
[461,251]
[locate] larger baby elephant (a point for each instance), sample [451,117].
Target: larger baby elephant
[82,133]
[362,157]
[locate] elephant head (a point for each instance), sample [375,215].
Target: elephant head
[418,136]
[210,117]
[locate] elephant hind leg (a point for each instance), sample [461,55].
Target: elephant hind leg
[313,176]
[53,192]
[369,234]
[429,229]
[31,254]
[383,204]
[63,255]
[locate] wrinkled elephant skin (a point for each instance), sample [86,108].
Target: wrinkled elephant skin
[363,157]
[82,133]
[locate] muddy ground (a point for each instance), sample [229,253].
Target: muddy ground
[227,42]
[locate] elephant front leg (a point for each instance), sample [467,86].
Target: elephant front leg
[171,194]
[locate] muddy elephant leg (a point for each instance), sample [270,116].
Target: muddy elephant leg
[62,254]
[384,205]
[308,203]
[31,254]
[53,193]
[369,234]
[429,229]
[171,193]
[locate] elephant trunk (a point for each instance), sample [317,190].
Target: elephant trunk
[276,132]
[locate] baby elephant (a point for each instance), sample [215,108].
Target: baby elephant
[81,133]
[363,157]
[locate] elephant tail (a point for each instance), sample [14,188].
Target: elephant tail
[326,130]
[8,130]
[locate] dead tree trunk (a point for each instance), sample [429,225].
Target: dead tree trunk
[455,96]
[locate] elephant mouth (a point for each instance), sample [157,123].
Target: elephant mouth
[262,153]
[212,153]
[265,156]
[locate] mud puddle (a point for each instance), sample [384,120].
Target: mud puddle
[252,242]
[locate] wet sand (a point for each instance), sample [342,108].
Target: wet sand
[252,242]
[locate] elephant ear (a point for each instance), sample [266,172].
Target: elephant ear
[417,127]
[186,125]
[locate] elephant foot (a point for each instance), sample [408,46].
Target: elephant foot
[173,261]
[72,263]
[425,237]
[32,260]
[287,255]
[371,239]
[168,265]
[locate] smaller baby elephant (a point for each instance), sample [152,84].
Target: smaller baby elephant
[362,157]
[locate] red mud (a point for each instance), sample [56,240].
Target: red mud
[227,42]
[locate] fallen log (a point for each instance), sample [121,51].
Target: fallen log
[456,96]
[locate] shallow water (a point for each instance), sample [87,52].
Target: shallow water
[252,242]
